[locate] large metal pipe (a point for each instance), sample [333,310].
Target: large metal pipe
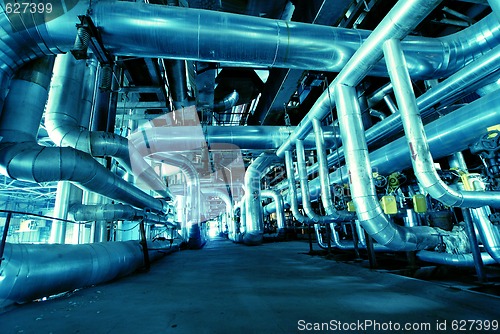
[62,120]
[31,271]
[292,191]
[194,215]
[280,210]
[401,19]
[422,161]
[489,233]
[254,214]
[182,138]
[22,158]
[457,260]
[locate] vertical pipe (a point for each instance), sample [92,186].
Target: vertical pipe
[476,253]
[58,230]
[4,235]
[292,191]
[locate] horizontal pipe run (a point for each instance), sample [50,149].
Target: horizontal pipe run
[35,271]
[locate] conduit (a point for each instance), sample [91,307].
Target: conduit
[422,161]
[31,271]
[21,158]
[292,191]
[62,121]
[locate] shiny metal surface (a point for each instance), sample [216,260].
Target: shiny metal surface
[488,232]
[292,191]
[36,271]
[62,120]
[457,260]
[422,161]
[363,192]
[280,210]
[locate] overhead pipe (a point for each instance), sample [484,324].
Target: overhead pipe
[177,82]
[280,210]
[422,161]
[479,72]
[223,195]
[254,214]
[398,22]
[181,138]
[31,271]
[442,142]
[273,43]
[363,192]
[62,120]
[22,158]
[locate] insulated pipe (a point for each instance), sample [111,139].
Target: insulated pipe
[31,271]
[304,187]
[58,228]
[22,158]
[401,19]
[223,195]
[422,161]
[363,191]
[457,260]
[280,210]
[254,215]
[495,6]
[110,212]
[62,121]
[448,91]
[181,138]
[442,142]
[326,194]
[292,191]
[193,197]
[177,82]
[489,233]
[227,103]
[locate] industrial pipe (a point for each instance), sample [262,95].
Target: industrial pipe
[292,191]
[280,210]
[422,161]
[31,271]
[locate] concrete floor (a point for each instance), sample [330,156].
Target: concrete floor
[273,288]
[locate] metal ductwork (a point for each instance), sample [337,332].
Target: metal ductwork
[62,120]
[23,159]
[35,271]
[227,103]
[423,163]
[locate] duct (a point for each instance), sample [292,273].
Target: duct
[227,103]
[292,190]
[280,211]
[254,215]
[457,260]
[62,121]
[23,159]
[31,271]
[193,196]
[182,138]
[422,160]
[363,192]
